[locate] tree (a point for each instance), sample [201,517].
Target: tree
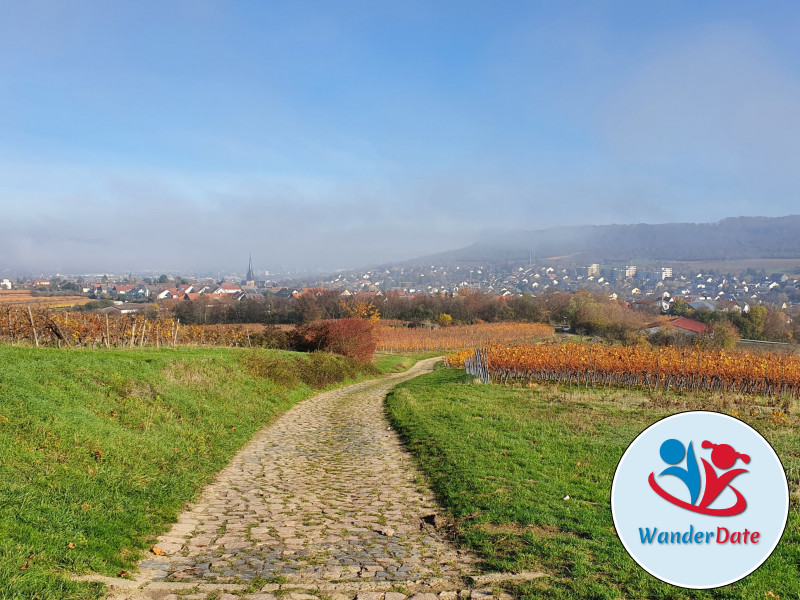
[776,326]
[361,309]
[444,320]
[720,335]
[163,279]
[309,308]
[526,308]
[758,318]
[679,307]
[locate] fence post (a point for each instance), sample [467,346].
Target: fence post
[33,326]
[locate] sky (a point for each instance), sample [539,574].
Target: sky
[185,135]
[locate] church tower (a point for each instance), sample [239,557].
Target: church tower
[250,280]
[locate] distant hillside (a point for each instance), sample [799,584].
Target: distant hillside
[730,239]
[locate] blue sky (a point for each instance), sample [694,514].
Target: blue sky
[184,135]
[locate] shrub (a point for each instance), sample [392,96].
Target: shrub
[317,370]
[321,369]
[271,337]
[309,337]
[278,370]
[354,338]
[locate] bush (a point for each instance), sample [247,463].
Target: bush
[317,370]
[354,338]
[278,370]
[320,369]
[309,337]
[271,337]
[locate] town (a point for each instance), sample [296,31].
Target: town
[642,288]
[654,290]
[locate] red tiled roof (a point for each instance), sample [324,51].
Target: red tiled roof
[682,323]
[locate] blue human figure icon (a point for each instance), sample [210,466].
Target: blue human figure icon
[672,452]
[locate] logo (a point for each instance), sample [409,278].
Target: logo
[699,500]
[723,456]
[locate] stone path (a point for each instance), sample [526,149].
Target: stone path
[324,503]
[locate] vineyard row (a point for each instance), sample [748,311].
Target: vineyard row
[635,368]
[424,339]
[44,327]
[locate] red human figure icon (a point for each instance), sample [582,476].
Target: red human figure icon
[724,457]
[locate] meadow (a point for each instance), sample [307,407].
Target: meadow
[101,450]
[524,472]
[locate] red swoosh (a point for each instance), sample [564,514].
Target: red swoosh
[737,508]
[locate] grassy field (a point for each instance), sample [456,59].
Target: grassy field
[502,460]
[100,450]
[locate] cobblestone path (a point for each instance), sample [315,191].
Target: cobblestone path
[323,503]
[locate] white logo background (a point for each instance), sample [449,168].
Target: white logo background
[635,505]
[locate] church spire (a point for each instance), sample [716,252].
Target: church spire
[250,275]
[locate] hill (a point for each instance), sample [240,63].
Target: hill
[101,449]
[741,238]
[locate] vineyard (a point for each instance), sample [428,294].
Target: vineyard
[424,339]
[664,369]
[25,298]
[43,327]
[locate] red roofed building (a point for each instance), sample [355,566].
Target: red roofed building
[175,293]
[687,326]
[226,287]
[365,295]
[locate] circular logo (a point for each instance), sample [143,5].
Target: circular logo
[699,500]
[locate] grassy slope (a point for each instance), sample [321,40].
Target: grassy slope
[502,460]
[398,363]
[100,451]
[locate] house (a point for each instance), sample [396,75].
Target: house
[178,292]
[652,304]
[226,287]
[122,309]
[701,304]
[6,284]
[122,290]
[731,306]
[100,288]
[139,291]
[365,295]
[687,326]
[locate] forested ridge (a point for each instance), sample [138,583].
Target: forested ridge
[730,239]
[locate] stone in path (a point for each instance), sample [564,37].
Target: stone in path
[325,502]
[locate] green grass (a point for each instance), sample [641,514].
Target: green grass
[398,363]
[501,460]
[100,450]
